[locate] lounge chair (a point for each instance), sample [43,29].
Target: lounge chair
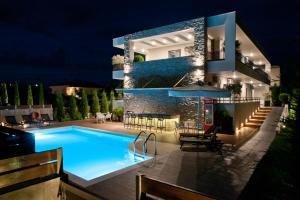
[209,139]
[27,119]
[11,121]
[46,119]
[198,131]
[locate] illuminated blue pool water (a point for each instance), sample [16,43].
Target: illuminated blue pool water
[87,153]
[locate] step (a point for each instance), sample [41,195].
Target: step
[256,120]
[252,125]
[261,114]
[258,117]
[265,109]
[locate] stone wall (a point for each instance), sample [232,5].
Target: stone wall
[27,111]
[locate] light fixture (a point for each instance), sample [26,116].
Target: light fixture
[260,85]
[189,36]
[164,41]
[260,63]
[133,47]
[143,50]
[251,82]
[251,54]
[153,43]
[176,38]
[234,76]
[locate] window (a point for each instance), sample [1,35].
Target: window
[174,53]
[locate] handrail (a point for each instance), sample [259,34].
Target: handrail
[145,143]
[134,142]
[180,80]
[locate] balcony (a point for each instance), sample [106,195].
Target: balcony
[118,72]
[249,69]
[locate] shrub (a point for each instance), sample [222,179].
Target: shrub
[16,95]
[29,96]
[235,88]
[4,96]
[41,95]
[138,58]
[284,98]
[120,96]
[117,60]
[104,106]
[95,102]
[59,113]
[84,104]
[119,111]
[275,90]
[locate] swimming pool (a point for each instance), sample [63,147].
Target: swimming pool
[88,153]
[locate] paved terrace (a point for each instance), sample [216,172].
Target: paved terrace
[223,176]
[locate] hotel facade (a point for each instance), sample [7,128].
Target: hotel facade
[192,68]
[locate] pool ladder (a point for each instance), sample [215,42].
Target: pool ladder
[147,136]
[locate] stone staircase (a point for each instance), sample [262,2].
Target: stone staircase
[258,118]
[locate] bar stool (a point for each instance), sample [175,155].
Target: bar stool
[161,124]
[126,119]
[140,121]
[132,122]
[149,122]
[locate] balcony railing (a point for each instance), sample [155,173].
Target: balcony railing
[252,70]
[118,67]
[232,100]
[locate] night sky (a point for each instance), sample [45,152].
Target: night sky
[57,40]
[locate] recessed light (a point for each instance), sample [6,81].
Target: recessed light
[176,39]
[164,41]
[133,47]
[153,43]
[143,50]
[234,76]
[260,63]
[260,85]
[190,36]
[251,82]
[251,54]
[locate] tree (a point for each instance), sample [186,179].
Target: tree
[284,98]
[84,104]
[138,58]
[4,96]
[16,95]
[104,106]
[95,102]
[29,96]
[120,96]
[74,113]
[111,98]
[41,95]
[59,113]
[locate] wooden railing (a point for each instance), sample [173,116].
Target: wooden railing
[146,187]
[17,170]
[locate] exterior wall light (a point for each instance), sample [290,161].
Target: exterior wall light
[251,82]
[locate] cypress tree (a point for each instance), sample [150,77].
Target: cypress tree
[95,103]
[59,106]
[29,96]
[41,95]
[111,98]
[73,108]
[104,106]
[4,95]
[84,104]
[16,95]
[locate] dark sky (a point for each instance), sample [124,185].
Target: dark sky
[57,40]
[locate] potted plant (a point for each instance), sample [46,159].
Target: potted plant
[235,89]
[118,112]
[118,62]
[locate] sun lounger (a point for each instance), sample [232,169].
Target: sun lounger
[46,119]
[27,119]
[11,121]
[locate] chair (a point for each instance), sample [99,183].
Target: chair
[126,119]
[140,121]
[11,121]
[197,133]
[108,116]
[46,119]
[100,117]
[178,127]
[132,121]
[27,119]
